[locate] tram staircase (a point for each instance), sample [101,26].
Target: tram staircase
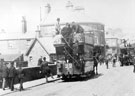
[69,54]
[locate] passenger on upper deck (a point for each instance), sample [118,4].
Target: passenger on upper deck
[77,28]
[66,30]
[57,26]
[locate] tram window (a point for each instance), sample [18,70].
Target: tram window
[88,51]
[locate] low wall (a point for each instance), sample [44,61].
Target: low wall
[32,73]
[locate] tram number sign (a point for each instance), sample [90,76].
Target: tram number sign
[68,65]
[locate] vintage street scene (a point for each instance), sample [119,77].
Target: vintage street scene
[67,48]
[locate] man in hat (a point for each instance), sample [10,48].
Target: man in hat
[12,74]
[77,28]
[67,33]
[5,73]
[20,73]
[45,69]
[96,60]
[57,26]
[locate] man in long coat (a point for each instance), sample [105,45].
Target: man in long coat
[12,74]
[96,60]
[20,74]
[5,73]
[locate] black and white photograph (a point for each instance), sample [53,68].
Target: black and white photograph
[67,47]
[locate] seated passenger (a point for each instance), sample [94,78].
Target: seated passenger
[77,28]
[67,33]
[66,30]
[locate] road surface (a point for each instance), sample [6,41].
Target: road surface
[117,81]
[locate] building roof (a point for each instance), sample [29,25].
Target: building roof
[16,36]
[15,45]
[46,43]
[31,46]
[10,57]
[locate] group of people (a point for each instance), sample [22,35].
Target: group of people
[109,58]
[68,28]
[126,59]
[45,70]
[9,73]
[97,59]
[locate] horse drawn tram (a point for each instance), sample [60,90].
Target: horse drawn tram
[74,52]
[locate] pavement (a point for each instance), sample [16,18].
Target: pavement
[28,84]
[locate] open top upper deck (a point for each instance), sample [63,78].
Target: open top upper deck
[49,29]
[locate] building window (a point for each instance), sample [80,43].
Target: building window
[11,44]
[30,58]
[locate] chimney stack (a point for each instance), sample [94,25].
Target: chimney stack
[24,25]
[69,6]
[44,11]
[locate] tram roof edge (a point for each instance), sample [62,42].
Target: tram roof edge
[63,23]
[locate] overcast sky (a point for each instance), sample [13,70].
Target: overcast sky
[112,13]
